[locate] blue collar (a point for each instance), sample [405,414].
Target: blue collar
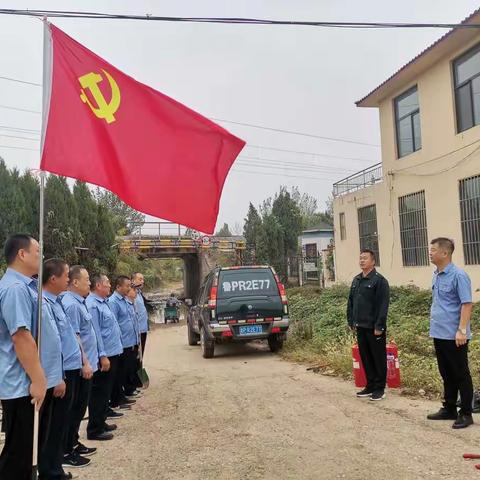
[20,276]
[447,269]
[50,296]
[118,296]
[98,298]
[76,296]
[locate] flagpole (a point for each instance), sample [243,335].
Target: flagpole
[46,101]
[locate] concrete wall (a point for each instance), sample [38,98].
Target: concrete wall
[422,170]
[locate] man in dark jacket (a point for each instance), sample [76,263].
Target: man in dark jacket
[367,315]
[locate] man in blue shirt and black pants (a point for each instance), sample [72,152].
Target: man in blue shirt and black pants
[23,379]
[450,329]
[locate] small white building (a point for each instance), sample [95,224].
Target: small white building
[313,241]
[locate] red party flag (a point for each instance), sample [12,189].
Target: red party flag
[103,127]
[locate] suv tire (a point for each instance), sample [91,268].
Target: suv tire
[208,345]
[275,342]
[193,337]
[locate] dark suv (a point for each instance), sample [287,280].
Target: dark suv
[239,304]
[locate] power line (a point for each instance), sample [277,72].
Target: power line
[283,175]
[225,20]
[20,148]
[22,138]
[315,154]
[293,132]
[20,81]
[18,129]
[7,107]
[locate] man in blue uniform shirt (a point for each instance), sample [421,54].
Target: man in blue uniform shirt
[128,364]
[450,329]
[23,379]
[109,338]
[73,302]
[138,282]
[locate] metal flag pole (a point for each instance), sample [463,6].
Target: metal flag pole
[47,71]
[36,412]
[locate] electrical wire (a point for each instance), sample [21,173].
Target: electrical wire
[19,137]
[7,107]
[225,20]
[20,148]
[20,81]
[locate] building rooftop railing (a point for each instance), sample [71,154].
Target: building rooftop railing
[364,178]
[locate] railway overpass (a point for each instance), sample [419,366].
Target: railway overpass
[168,240]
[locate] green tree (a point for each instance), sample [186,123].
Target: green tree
[224,231]
[88,224]
[125,218]
[30,189]
[62,232]
[14,213]
[271,244]
[104,241]
[251,230]
[288,215]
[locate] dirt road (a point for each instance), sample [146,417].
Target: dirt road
[246,414]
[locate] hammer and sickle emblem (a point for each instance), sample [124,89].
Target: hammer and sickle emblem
[104,109]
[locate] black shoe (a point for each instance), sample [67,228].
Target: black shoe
[443,414]
[124,406]
[73,460]
[136,393]
[113,414]
[101,436]
[109,427]
[366,392]
[83,450]
[463,421]
[377,396]
[68,476]
[127,401]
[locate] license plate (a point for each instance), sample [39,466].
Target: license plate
[250,330]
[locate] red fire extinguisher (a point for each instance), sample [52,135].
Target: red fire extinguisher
[393,366]
[358,370]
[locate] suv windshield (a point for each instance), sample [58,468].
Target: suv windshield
[244,282]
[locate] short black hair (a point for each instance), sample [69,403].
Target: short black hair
[371,252]
[54,267]
[121,280]
[75,273]
[14,244]
[445,243]
[96,278]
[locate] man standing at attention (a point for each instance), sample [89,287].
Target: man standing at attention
[138,282]
[450,330]
[367,314]
[23,379]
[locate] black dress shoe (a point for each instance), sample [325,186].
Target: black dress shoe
[127,401]
[463,421]
[109,427]
[443,414]
[113,414]
[101,436]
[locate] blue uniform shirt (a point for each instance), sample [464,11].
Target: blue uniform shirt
[141,312]
[72,355]
[81,321]
[450,289]
[50,346]
[107,324]
[18,300]
[119,307]
[132,310]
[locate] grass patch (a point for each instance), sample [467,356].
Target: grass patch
[319,335]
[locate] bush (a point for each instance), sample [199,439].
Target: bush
[319,334]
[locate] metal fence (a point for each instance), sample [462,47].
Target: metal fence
[362,179]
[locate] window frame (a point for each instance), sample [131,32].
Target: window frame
[470,227]
[418,254]
[456,87]
[412,114]
[342,223]
[368,238]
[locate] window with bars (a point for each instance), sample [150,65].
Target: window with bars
[470,219]
[407,121]
[367,227]
[466,73]
[343,231]
[413,229]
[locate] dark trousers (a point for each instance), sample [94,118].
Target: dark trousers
[16,456]
[143,340]
[100,396]
[373,352]
[453,366]
[79,407]
[130,367]
[50,462]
